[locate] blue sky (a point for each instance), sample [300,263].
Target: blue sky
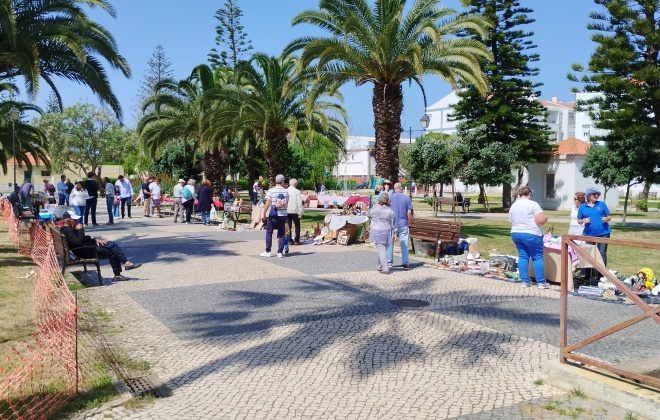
[187,32]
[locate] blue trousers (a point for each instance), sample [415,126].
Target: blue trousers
[271,226]
[529,247]
[109,203]
[402,233]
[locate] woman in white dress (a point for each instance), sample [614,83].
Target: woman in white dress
[575,228]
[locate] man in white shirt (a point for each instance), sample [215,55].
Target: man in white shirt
[294,211]
[125,194]
[155,190]
[179,210]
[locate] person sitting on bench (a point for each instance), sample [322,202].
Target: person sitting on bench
[460,200]
[76,238]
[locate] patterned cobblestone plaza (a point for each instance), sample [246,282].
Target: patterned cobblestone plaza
[314,336]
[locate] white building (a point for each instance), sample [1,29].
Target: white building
[359,161]
[554,183]
[561,117]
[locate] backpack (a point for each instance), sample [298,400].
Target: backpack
[282,202]
[51,189]
[185,193]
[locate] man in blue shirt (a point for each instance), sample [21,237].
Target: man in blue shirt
[402,207]
[61,191]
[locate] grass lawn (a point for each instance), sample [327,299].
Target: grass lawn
[16,307]
[494,234]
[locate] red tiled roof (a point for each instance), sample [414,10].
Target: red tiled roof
[10,162]
[572,146]
[570,105]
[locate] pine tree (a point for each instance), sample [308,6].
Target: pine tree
[624,69]
[231,39]
[158,69]
[509,112]
[53,103]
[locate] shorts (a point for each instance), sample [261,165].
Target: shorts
[155,202]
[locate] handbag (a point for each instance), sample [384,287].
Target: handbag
[272,214]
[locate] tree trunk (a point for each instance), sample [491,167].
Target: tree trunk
[625,203]
[251,176]
[482,198]
[506,196]
[273,151]
[521,174]
[214,170]
[387,103]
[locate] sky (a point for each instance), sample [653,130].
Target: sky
[186,30]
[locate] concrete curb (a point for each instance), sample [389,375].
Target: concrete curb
[604,386]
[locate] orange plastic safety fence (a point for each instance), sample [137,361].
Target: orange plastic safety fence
[42,374]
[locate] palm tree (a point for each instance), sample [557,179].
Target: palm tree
[383,46]
[175,112]
[30,140]
[276,105]
[46,39]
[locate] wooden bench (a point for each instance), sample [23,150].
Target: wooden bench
[440,232]
[62,249]
[447,201]
[245,208]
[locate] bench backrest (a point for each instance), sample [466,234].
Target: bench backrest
[246,208]
[429,228]
[60,244]
[445,200]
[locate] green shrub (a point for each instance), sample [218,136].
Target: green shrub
[642,205]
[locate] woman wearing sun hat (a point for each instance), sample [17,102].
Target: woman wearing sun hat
[595,217]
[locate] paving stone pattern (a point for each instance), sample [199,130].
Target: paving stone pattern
[313,336]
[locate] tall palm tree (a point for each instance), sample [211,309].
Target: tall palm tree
[47,39]
[275,105]
[30,140]
[386,45]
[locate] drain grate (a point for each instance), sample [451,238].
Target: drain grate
[147,386]
[409,303]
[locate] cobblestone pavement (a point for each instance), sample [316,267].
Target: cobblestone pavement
[313,335]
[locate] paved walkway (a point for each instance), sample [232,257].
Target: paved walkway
[313,335]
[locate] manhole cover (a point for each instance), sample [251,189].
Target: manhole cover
[409,303]
[143,386]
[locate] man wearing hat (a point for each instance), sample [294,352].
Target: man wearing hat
[275,215]
[595,216]
[179,210]
[76,238]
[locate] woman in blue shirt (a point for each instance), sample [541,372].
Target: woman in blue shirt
[595,215]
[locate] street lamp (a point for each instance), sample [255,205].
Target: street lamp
[424,122]
[14,113]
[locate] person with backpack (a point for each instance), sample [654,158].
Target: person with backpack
[49,191]
[275,216]
[188,198]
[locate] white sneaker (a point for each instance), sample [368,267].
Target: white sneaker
[265,254]
[543,286]
[279,255]
[525,284]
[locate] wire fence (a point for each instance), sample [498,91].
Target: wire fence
[64,357]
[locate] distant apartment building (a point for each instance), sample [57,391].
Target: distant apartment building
[562,118]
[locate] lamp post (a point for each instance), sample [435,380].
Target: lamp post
[14,113]
[424,122]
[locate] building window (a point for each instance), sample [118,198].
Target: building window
[586,130]
[45,173]
[550,191]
